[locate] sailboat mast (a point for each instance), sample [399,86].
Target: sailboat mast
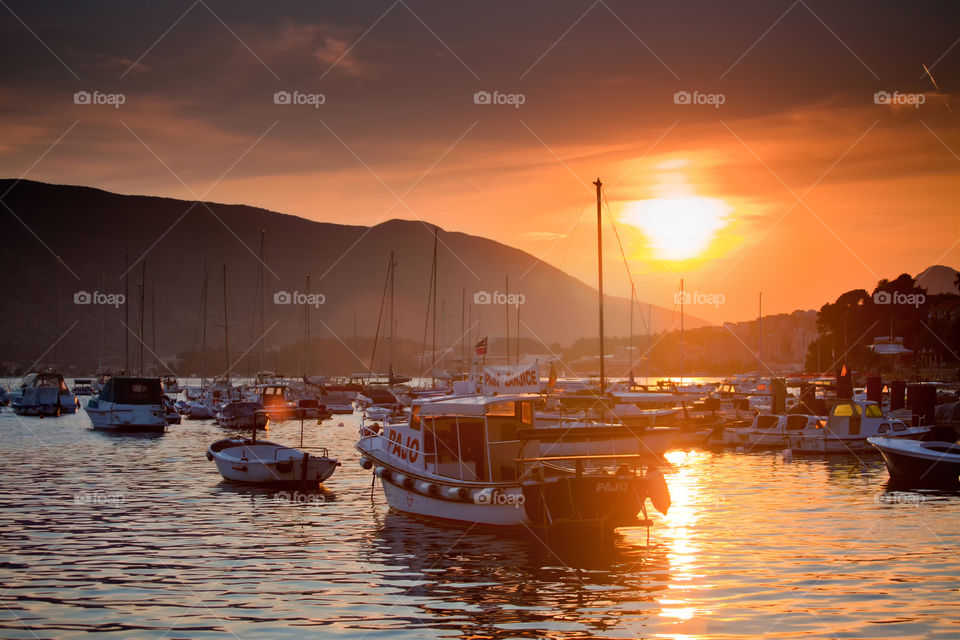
[392,276]
[143,287]
[506,307]
[681,330]
[203,330]
[103,308]
[153,326]
[600,280]
[56,318]
[226,325]
[262,285]
[306,313]
[436,276]
[126,314]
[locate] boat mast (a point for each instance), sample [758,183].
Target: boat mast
[143,287]
[600,279]
[226,326]
[203,316]
[126,314]
[306,314]
[153,326]
[506,307]
[56,318]
[681,331]
[760,334]
[103,307]
[433,343]
[391,275]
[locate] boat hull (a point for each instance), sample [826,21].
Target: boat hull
[845,444]
[420,504]
[106,416]
[912,462]
[283,467]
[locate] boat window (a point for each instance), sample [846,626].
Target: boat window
[899,426]
[883,428]
[506,409]
[137,392]
[455,447]
[796,423]
[415,417]
[527,412]
[873,411]
[767,422]
[843,410]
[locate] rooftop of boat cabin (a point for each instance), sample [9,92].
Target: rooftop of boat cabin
[468,405]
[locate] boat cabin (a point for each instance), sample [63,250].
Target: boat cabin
[853,418]
[466,439]
[138,391]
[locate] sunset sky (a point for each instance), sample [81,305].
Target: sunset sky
[785,175]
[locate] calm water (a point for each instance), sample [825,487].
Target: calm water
[136,537]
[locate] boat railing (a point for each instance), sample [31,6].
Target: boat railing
[321,450]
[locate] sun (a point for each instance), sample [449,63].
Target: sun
[677,228]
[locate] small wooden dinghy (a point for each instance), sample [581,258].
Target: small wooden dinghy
[263,462]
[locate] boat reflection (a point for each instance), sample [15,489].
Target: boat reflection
[485,583]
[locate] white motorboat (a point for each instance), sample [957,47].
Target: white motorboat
[82,387]
[129,404]
[480,459]
[921,463]
[262,462]
[773,432]
[171,386]
[43,394]
[847,428]
[338,401]
[241,414]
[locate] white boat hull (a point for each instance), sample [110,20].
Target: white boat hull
[846,444]
[267,463]
[401,499]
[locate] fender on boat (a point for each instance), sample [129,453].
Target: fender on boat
[366,462]
[658,491]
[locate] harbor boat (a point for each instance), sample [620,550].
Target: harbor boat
[43,394]
[82,387]
[241,414]
[337,401]
[171,386]
[773,432]
[920,463]
[479,459]
[129,404]
[262,462]
[585,424]
[847,428]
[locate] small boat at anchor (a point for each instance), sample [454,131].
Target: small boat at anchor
[129,404]
[262,462]
[918,462]
[482,459]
